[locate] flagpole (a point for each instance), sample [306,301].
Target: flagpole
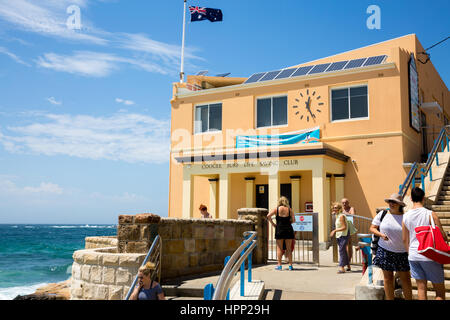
[182,44]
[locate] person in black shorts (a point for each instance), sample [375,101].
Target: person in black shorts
[283,230]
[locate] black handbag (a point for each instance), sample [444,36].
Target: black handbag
[374,244]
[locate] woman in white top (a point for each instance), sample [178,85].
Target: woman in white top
[391,254]
[422,268]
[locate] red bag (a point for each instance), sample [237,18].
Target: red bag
[432,244]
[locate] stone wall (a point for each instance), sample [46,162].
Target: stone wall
[100,242]
[103,274]
[189,246]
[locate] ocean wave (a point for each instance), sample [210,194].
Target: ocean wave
[85,226]
[12,292]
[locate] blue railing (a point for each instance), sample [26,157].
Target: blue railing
[222,290]
[439,144]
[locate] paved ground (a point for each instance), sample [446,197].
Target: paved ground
[305,282]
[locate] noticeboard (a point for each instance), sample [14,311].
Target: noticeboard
[303,222]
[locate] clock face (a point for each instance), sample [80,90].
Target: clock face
[308,105]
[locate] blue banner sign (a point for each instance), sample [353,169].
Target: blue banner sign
[303,222]
[310,136]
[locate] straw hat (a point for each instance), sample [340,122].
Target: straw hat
[396,198]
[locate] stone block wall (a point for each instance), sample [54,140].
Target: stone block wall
[103,274]
[100,242]
[259,217]
[189,246]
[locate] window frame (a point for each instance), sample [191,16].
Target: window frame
[207,104]
[348,87]
[271,111]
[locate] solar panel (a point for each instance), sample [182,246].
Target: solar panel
[319,68]
[356,63]
[286,73]
[270,75]
[223,74]
[255,77]
[314,69]
[335,66]
[374,60]
[302,71]
[202,73]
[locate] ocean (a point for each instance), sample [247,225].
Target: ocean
[33,255]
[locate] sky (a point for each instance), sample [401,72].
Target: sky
[85,111]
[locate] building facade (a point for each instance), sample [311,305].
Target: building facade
[341,126]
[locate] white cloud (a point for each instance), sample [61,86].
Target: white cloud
[53,101]
[125,102]
[93,64]
[121,137]
[13,56]
[9,187]
[45,187]
[47,18]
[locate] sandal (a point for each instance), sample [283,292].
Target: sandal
[341,271]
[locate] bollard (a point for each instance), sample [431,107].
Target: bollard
[208,291]
[227,258]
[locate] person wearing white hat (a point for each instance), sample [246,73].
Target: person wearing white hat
[391,255]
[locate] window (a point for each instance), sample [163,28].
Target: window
[349,103]
[271,111]
[208,118]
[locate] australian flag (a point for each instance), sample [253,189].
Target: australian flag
[201,13]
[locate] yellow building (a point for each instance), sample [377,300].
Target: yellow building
[240,142]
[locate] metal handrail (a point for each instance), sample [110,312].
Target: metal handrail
[223,284]
[155,250]
[431,157]
[434,150]
[409,178]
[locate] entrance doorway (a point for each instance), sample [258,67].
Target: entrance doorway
[286,191]
[262,196]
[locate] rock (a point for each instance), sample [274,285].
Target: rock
[52,291]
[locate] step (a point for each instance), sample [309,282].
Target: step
[443,202]
[443,198]
[431,295]
[440,208]
[445,221]
[430,285]
[177,291]
[443,215]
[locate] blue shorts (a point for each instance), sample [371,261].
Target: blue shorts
[427,270]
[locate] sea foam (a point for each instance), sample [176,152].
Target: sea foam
[12,292]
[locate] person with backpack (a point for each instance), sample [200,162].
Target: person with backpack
[391,254]
[423,269]
[342,235]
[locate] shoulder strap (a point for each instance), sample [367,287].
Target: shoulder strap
[431,219]
[382,215]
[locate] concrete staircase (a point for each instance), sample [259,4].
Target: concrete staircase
[442,209]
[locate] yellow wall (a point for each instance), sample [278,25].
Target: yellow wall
[378,145]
